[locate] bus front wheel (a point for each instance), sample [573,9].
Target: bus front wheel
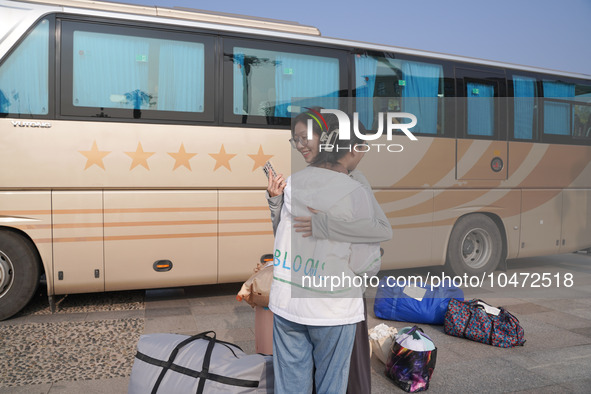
[475,245]
[19,273]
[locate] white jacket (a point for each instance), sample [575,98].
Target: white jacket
[299,293]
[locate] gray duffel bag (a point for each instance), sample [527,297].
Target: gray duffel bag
[171,363]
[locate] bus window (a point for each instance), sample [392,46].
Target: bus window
[582,112]
[114,71]
[123,72]
[390,85]
[557,113]
[525,107]
[24,75]
[266,81]
[481,108]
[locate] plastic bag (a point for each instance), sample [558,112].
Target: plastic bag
[256,289]
[380,340]
[412,360]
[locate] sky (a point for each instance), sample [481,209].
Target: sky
[543,33]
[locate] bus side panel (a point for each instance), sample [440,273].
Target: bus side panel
[135,155]
[78,241]
[245,233]
[576,220]
[505,205]
[145,227]
[541,213]
[426,163]
[30,212]
[537,166]
[411,214]
[576,210]
[475,160]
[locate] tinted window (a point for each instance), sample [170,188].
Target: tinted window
[266,81]
[24,75]
[525,107]
[582,112]
[116,71]
[557,112]
[481,108]
[127,72]
[384,84]
[270,82]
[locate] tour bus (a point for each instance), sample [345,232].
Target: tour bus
[132,142]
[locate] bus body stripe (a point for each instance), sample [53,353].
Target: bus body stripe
[152,236]
[128,210]
[143,224]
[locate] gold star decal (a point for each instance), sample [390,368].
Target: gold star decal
[222,158]
[260,158]
[94,156]
[139,157]
[182,158]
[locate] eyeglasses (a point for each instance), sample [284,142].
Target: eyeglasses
[298,140]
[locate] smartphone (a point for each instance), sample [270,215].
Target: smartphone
[269,168]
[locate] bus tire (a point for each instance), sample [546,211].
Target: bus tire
[19,273]
[475,245]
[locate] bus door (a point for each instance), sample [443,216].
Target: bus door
[481,145]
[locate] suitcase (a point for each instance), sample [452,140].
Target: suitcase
[416,304]
[263,330]
[171,363]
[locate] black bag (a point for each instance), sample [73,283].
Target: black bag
[170,363]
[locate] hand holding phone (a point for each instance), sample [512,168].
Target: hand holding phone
[276,182]
[268,168]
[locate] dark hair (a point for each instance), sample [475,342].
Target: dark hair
[303,118]
[328,134]
[340,147]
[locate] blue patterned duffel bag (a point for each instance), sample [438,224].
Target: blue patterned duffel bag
[480,322]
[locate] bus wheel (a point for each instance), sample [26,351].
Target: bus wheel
[475,245]
[19,273]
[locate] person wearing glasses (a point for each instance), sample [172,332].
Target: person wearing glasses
[364,232]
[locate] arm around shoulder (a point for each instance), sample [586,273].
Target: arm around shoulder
[373,227]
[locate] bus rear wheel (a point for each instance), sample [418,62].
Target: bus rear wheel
[475,245]
[19,273]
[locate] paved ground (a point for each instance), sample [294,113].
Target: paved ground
[89,344]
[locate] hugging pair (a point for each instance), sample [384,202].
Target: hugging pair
[327,223]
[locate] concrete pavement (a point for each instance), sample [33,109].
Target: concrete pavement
[88,346]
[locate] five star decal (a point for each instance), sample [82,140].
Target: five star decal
[94,156]
[182,158]
[139,157]
[260,158]
[222,158]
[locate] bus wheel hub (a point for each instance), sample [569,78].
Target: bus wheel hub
[468,247]
[5,273]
